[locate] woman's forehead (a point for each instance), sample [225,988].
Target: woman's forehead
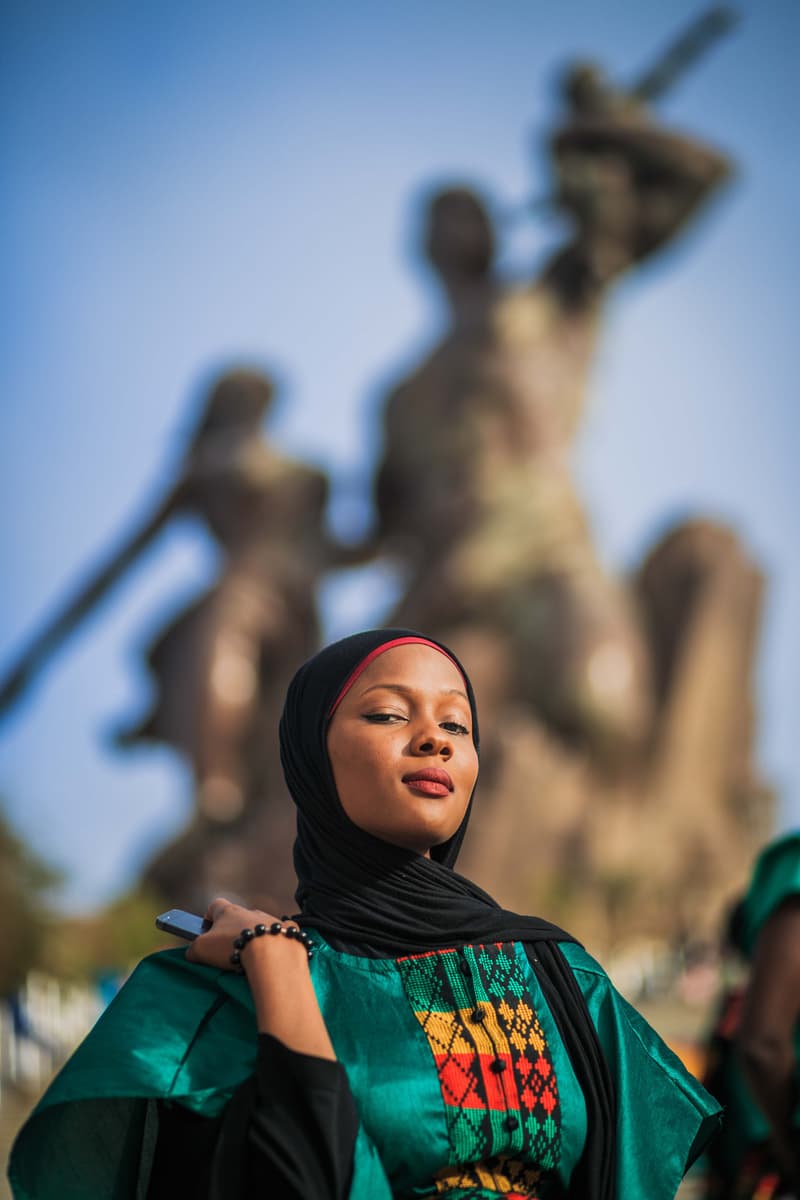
[415,666]
[407,665]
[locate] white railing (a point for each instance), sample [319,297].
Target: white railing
[40,1026]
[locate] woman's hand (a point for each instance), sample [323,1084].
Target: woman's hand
[215,947]
[277,972]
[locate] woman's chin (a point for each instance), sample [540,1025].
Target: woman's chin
[419,843]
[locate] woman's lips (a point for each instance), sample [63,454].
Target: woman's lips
[432,781]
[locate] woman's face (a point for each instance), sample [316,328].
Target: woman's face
[400,746]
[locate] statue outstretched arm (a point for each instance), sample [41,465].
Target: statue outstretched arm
[55,632]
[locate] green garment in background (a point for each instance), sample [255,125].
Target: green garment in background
[188,1033]
[776,877]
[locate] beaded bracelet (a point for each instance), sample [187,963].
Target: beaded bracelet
[289,931]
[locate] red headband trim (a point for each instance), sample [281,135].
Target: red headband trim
[373,654]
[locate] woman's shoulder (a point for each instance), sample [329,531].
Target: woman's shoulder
[622,1028]
[581,961]
[607,1006]
[600,992]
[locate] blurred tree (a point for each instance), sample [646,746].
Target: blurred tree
[109,942]
[75,947]
[24,916]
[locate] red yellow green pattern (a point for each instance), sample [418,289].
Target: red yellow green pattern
[495,1069]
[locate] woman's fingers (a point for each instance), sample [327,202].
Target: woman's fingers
[215,946]
[216,908]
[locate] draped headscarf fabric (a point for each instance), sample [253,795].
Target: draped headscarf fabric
[363,893]
[354,886]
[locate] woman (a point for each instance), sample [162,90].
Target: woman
[433,1045]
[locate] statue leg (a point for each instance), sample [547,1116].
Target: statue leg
[246,636]
[701,595]
[583,663]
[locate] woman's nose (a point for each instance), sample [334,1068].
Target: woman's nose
[430,742]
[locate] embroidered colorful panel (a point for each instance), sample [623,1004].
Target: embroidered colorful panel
[509,1177]
[495,1069]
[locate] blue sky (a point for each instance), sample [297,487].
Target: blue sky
[188,186]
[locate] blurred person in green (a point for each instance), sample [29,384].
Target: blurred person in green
[723,1077]
[754,1048]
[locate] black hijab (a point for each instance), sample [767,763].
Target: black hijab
[360,891]
[352,885]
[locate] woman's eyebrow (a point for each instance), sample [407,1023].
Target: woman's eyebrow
[405,690]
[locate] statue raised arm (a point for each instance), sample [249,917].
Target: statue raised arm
[628,184]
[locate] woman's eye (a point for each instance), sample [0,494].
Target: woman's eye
[383,718]
[455,727]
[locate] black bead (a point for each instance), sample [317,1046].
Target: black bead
[285,918]
[303,936]
[276,927]
[239,943]
[235,959]
[498,1065]
[291,931]
[511,1123]
[247,935]
[477,1015]
[260,930]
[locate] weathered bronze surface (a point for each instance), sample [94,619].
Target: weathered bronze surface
[619,793]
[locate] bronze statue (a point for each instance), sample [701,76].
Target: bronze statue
[616,715]
[220,667]
[619,715]
[476,485]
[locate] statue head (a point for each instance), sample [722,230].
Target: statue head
[237,403]
[459,239]
[587,91]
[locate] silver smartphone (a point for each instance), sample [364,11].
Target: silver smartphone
[182,924]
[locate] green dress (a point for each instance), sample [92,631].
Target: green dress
[462,1084]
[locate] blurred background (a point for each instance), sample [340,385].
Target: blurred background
[190,191]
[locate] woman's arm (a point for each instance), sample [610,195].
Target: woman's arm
[286,1004]
[292,1130]
[766,1039]
[277,971]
